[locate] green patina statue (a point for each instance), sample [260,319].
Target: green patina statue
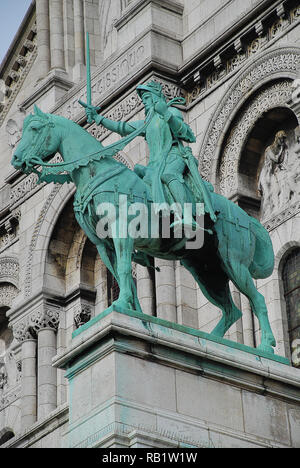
[235,247]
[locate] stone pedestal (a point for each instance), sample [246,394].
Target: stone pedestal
[140,381]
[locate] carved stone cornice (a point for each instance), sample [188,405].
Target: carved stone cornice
[16,69]
[253,39]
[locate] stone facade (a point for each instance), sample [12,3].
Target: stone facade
[237,64]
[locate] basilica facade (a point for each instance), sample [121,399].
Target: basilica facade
[237,64]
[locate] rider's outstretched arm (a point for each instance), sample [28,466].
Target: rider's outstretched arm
[122,128]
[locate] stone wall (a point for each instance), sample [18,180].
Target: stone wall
[234,61]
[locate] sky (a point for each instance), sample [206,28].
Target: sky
[12,13]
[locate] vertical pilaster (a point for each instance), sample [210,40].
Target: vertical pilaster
[79,69]
[43,37]
[57,34]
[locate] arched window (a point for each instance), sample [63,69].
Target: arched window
[291,281]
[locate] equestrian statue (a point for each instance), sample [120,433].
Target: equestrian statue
[235,247]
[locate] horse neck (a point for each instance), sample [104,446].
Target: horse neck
[76,142]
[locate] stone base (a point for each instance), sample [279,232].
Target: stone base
[138,381]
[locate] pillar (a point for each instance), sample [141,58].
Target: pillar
[57,34]
[28,386]
[43,36]
[45,323]
[165,290]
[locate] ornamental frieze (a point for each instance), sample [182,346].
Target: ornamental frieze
[245,50]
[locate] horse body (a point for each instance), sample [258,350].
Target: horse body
[239,250]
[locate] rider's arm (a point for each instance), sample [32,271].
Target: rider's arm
[122,128]
[178,126]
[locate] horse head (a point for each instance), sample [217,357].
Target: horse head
[39,141]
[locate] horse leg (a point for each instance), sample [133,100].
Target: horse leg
[215,288]
[244,282]
[124,249]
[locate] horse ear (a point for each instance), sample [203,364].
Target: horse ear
[38,111]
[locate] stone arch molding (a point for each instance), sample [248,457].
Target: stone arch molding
[9,280]
[274,96]
[281,65]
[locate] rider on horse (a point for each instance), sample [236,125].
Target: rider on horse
[169,158]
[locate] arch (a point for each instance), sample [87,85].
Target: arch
[48,217]
[275,65]
[5,435]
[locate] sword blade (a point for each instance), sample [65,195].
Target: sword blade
[88,71]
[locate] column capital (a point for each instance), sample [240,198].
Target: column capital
[47,316]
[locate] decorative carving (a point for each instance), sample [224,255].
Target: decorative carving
[9,229]
[3,376]
[47,318]
[276,95]
[17,77]
[285,60]
[28,328]
[9,270]
[14,133]
[22,331]
[82,315]
[8,292]
[253,46]
[280,176]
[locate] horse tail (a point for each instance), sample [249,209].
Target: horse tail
[263,262]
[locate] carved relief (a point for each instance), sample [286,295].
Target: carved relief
[276,95]
[9,270]
[8,292]
[82,315]
[275,62]
[280,176]
[28,328]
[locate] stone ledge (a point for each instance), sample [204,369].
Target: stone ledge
[182,348]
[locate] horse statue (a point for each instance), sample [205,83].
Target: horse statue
[236,246]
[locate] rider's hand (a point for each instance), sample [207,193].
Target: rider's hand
[91,114]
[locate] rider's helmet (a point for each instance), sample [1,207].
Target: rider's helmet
[152,87]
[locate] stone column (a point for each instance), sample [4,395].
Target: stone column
[57,35]
[247,319]
[23,333]
[165,290]
[28,386]
[47,375]
[45,324]
[79,69]
[43,36]
[145,290]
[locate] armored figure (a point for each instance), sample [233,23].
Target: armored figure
[169,158]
